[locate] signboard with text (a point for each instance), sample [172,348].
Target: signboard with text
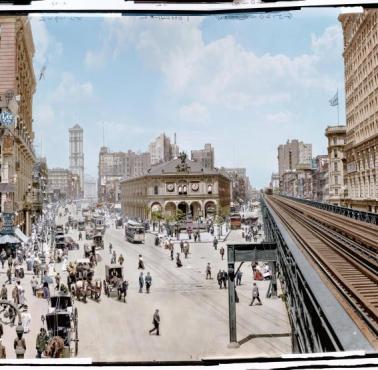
[8,223]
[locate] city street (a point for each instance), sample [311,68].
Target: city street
[193,310]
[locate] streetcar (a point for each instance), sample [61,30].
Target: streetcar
[235,221]
[134,232]
[99,224]
[81,225]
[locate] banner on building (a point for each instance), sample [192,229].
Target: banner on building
[8,145]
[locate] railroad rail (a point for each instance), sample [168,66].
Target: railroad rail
[344,250]
[356,214]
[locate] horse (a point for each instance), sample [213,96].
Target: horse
[54,347]
[79,290]
[122,289]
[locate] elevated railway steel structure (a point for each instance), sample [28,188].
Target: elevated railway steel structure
[323,318]
[368,217]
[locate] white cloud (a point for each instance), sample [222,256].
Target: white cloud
[46,46]
[330,40]
[194,112]
[70,89]
[221,72]
[279,117]
[44,114]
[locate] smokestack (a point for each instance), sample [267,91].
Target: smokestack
[174,139]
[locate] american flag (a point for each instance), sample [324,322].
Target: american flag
[335,100]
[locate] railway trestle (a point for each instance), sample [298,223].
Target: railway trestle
[318,321]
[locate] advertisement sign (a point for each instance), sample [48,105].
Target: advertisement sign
[8,223]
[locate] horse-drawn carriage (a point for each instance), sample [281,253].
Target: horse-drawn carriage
[98,241]
[114,281]
[81,282]
[62,327]
[62,301]
[89,234]
[70,243]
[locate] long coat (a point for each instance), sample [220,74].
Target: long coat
[15,295]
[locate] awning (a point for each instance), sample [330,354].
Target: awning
[8,239]
[20,235]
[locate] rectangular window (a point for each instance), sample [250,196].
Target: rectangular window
[335,166]
[156,190]
[336,180]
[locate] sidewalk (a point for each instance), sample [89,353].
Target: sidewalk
[205,236]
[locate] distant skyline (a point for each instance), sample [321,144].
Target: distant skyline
[245,86]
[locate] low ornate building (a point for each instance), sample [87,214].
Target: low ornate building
[336,158]
[178,184]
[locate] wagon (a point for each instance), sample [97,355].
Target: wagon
[62,322]
[112,275]
[98,242]
[89,233]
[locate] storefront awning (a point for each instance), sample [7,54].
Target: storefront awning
[20,235]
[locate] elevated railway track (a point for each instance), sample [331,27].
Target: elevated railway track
[343,251]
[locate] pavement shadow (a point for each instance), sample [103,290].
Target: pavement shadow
[253,336]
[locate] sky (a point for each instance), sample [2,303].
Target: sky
[243,85]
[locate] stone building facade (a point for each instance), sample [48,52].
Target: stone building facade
[63,184]
[361,91]
[161,150]
[178,184]
[320,178]
[336,171]
[298,182]
[291,154]
[39,187]
[77,154]
[17,87]
[115,166]
[205,156]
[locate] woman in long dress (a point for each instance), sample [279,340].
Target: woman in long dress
[26,320]
[21,296]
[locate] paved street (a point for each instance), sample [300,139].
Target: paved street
[193,310]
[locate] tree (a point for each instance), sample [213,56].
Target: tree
[157,216]
[179,214]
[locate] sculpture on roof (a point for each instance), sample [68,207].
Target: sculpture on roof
[183,166]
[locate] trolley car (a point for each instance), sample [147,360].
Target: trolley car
[134,232]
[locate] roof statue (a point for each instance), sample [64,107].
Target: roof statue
[183,165]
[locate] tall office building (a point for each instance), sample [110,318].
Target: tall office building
[204,156]
[361,96]
[160,149]
[17,87]
[292,154]
[77,154]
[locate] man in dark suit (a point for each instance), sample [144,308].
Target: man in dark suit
[156,322]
